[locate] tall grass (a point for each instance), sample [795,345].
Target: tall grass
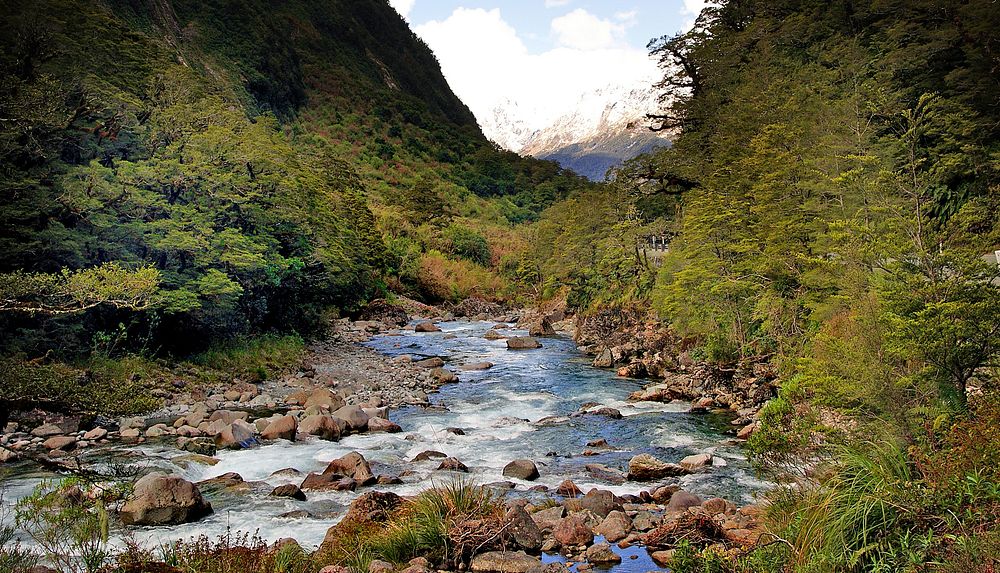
[862,516]
[438,524]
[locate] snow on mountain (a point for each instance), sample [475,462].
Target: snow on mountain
[601,129]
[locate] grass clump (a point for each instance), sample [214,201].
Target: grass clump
[252,359]
[445,524]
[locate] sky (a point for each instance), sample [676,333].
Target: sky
[543,54]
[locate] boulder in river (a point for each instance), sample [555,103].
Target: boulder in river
[523,529]
[368,509]
[568,489]
[573,531]
[603,472]
[696,461]
[477,366]
[383,425]
[601,554]
[283,428]
[352,465]
[541,327]
[521,469]
[426,326]
[432,362]
[322,426]
[428,455]
[599,502]
[160,499]
[493,335]
[64,443]
[288,490]
[522,343]
[453,464]
[645,467]
[355,417]
[236,435]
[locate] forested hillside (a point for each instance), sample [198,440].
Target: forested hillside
[192,171]
[834,203]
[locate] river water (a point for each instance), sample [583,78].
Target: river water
[497,410]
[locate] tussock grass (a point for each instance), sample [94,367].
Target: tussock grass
[445,524]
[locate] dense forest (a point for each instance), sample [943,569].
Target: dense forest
[180,175]
[834,202]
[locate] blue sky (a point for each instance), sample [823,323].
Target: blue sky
[543,54]
[532,18]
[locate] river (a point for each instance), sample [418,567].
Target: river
[497,409]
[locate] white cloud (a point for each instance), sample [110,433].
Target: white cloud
[556,3]
[486,62]
[628,19]
[691,9]
[402,6]
[583,31]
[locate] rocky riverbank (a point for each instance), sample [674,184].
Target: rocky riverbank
[341,387]
[637,345]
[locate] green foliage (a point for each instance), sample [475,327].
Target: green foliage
[72,531]
[108,386]
[255,359]
[468,244]
[428,525]
[76,291]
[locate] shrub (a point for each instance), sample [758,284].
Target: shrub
[468,244]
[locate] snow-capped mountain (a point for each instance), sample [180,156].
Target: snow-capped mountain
[603,128]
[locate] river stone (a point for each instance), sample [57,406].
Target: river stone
[645,467]
[236,435]
[7,455]
[493,335]
[523,529]
[322,426]
[227,416]
[186,460]
[426,326]
[288,490]
[477,366]
[355,417]
[443,375]
[453,464]
[600,502]
[696,461]
[541,328]
[283,428]
[205,447]
[432,362]
[615,527]
[64,443]
[352,465]
[504,562]
[324,398]
[548,519]
[521,469]
[160,499]
[681,501]
[383,425]
[522,343]
[601,554]
[572,531]
[568,489]
[428,455]
[603,472]
[95,434]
